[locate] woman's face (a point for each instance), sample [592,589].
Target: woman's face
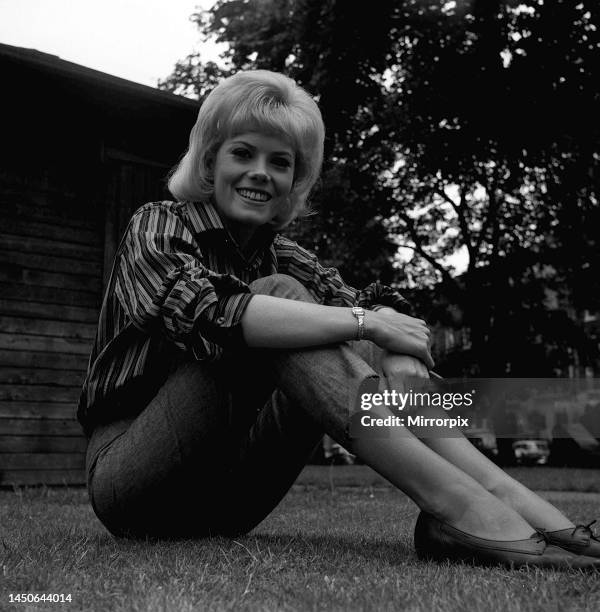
[253,176]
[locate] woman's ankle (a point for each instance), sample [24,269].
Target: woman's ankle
[449,504]
[493,520]
[480,514]
[533,508]
[474,510]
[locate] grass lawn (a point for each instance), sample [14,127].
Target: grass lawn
[538,478]
[340,540]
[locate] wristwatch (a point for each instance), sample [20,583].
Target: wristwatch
[359,313]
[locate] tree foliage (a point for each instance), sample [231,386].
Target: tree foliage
[497,113]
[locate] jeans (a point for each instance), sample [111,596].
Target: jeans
[221,443]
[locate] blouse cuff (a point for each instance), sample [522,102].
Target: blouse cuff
[220,323]
[377,294]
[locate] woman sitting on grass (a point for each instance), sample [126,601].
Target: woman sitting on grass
[224,352]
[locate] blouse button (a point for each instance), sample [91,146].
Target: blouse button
[221,320]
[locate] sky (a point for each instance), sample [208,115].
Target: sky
[139,40]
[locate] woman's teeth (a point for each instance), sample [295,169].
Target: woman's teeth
[258,196]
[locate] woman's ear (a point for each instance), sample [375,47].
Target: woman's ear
[209,168]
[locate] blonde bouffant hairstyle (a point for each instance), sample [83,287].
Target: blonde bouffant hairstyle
[254,101]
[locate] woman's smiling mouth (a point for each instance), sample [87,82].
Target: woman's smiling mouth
[256,195]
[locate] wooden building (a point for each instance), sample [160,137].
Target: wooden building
[80,151]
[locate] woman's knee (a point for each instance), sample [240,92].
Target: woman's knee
[282,285]
[369,352]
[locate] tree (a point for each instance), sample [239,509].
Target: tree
[484,110]
[495,110]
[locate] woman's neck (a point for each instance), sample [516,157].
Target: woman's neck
[243,235]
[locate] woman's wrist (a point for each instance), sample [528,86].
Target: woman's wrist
[359,314]
[371,325]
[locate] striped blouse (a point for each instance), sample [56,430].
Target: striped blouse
[179,288]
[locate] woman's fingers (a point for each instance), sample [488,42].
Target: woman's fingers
[421,369]
[412,339]
[428,361]
[401,334]
[403,365]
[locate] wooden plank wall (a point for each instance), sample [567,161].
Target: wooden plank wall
[56,251]
[51,257]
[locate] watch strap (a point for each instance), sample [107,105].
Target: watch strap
[359,314]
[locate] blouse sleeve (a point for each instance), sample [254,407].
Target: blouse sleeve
[326,284]
[164,286]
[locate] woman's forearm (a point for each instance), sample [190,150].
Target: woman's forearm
[273,322]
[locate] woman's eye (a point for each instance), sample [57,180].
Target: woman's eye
[243,153]
[282,162]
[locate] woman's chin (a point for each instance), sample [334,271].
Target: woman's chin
[255,214]
[254,219]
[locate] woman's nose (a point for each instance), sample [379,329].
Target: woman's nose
[260,176]
[259,172]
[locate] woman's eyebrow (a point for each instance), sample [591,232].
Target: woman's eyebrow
[250,146]
[242,142]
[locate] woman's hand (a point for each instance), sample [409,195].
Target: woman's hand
[397,367]
[400,369]
[400,334]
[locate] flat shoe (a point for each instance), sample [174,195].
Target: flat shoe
[579,540]
[439,541]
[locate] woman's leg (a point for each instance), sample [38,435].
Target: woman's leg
[437,486]
[200,459]
[325,383]
[456,449]
[191,464]
[158,474]
[460,452]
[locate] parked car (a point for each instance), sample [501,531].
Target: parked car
[531,452]
[484,441]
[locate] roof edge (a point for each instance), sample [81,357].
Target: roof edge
[53,63]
